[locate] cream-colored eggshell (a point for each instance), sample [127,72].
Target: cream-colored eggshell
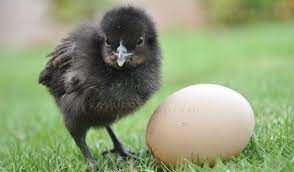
[199,123]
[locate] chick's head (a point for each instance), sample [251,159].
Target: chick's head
[130,38]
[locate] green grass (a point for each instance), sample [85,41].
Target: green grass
[256,61]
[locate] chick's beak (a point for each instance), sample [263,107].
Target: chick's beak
[122,54]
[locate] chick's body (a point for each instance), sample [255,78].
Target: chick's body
[95,93]
[89,85]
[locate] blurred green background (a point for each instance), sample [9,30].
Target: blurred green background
[227,12]
[231,12]
[246,45]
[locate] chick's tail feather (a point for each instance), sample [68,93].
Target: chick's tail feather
[45,75]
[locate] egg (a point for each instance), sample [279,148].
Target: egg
[200,123]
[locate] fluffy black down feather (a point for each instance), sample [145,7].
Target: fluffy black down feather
[90,92]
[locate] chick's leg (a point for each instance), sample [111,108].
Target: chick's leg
[80,140]
[117,146]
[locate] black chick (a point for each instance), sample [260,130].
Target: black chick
[99,74]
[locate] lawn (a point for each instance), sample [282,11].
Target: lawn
[257,61]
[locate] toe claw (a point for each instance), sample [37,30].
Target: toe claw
[122,154]
[108,152]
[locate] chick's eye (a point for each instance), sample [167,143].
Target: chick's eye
[107,43]
[140,42]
